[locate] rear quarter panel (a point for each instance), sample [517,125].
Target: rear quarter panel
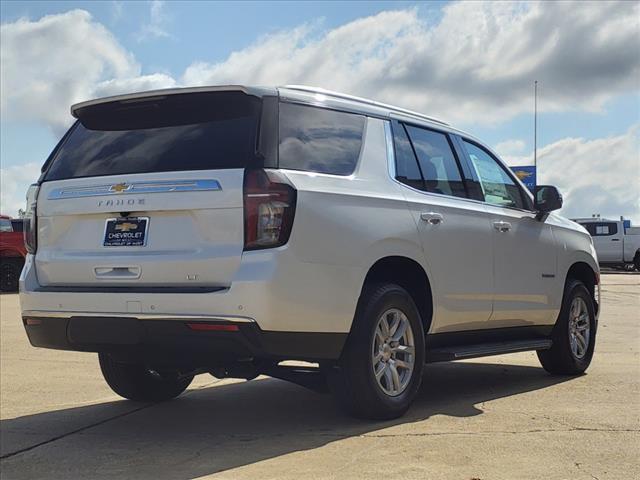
[352,221]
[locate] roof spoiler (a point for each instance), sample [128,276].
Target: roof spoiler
[152,94]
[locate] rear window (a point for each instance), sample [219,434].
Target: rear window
[319,140]
[200,131]
[17,225]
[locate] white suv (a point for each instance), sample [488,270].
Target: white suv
[227,229]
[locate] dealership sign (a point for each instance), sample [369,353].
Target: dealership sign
[527,175]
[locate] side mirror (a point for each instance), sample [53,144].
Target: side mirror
[547,198]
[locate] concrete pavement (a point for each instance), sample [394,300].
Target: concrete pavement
[496,418]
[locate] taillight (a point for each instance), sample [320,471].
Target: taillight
[30,227]
[269,208]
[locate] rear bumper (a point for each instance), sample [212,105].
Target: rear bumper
[174,342]
[272,287]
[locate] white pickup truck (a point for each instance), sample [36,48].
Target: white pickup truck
[615,245]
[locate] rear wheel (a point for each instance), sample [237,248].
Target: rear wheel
[380,371]
[574,335]
[10,268]
[636,262]
[137,382]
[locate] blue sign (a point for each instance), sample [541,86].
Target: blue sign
[527,175]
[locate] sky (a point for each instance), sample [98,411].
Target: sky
[471,64]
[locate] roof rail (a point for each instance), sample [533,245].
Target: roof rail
[306,88]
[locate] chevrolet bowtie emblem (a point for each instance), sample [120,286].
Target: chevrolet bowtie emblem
[521,174]
[119,187]
[125,227]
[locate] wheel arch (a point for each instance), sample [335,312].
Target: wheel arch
[584,272]
[410,275]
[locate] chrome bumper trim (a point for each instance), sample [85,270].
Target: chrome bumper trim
[139,316]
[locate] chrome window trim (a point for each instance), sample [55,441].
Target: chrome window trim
[139,316]
[135,188]
[364,101]
[391,169]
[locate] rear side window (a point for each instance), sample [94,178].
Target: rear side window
[319,140]
[200,131]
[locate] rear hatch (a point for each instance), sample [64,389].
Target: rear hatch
[147,192]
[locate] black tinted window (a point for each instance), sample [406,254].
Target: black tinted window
[319,140]
[17,225]
[437,162]
[407,170]
[171,133]
[498,187]
[589,227]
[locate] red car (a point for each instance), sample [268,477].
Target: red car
[12,252]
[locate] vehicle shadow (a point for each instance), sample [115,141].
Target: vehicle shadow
[223,427]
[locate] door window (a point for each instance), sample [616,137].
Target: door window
[498,187]
[437,163]
[605,229]
[407,170]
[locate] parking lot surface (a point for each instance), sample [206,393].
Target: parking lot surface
[496,418]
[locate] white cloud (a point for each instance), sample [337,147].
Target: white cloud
[14,182]
[476,65]
[58,60]
[509,147]
[135,84]
[595,176]
[157,25]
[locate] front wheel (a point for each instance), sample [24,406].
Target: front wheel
[574,335]
[137,382]
[380,371]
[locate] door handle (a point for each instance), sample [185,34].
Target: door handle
[117,272]
[432,218]
[502,226]
[615,239]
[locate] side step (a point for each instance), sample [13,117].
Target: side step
[448,353]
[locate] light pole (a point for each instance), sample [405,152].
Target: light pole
[535,126]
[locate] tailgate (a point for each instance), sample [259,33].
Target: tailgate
[193,226]
[147,192]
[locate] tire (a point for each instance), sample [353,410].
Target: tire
[636,262]
[353,381]
[10,268]
[138,383]
[563,358]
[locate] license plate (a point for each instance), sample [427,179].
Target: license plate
[126,232]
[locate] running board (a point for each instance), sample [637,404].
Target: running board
[444,354]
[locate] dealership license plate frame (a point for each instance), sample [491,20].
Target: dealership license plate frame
[113,222]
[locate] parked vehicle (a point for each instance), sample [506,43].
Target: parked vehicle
[226,229]
[616,244]
[12,253]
